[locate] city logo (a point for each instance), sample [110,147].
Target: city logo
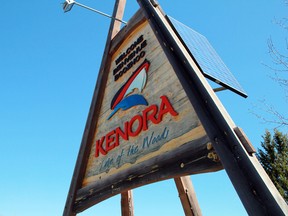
[126,98]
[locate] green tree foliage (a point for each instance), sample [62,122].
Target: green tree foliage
[274,159]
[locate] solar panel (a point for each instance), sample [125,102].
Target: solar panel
[206,57]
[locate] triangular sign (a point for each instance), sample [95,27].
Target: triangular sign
[154,117]
[146,129]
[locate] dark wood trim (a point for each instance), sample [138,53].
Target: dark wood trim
[165,166]
[90,127]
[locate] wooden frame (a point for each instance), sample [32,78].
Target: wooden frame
[190,143]
[92,116]
[257,192]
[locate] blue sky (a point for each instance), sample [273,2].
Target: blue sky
[49,63]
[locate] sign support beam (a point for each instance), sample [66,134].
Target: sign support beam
[85,147]
[187,196]
[127,205]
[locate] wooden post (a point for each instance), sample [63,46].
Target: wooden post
[118,13]
[87,138]
[127,206]
[187,196]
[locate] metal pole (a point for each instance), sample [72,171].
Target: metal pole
[99,12]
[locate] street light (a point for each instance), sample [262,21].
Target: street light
[68,4]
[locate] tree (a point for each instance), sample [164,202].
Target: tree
[274,159]
[274,153]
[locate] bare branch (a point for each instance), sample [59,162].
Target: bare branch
[279,66]
[279,59]
[283,23]
[275,117]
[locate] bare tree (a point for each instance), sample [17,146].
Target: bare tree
[279,67]
[280,63]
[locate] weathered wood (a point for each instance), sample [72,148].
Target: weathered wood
[168,147]
[88,134]
[256,191]
[117,13]
[133,23]
[147,173]
[187,196]
[161,80]
[127,205]
[245,141]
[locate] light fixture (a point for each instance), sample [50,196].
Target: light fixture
[68,4]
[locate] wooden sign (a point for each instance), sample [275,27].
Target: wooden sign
[145,116]
[147,129]
[154,116]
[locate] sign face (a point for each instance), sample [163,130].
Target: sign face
[145,112]
[147,129]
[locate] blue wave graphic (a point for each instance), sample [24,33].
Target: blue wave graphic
[128,102]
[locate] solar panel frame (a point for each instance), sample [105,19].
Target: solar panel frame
[206,57]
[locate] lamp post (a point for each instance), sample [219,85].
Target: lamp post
[68,4]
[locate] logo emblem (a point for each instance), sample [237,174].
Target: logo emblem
[124,98]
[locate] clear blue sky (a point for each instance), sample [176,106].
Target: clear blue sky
[49,63]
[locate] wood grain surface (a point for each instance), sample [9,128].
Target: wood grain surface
[174,146]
